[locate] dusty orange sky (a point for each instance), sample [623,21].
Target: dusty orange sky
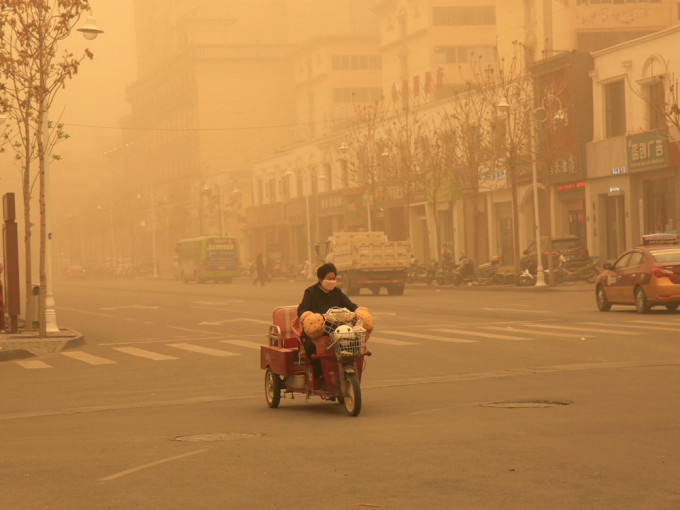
[95,97]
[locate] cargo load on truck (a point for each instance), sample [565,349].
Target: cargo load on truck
[367,260]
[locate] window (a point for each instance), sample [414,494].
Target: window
[656,104]
[615,109]
[356,62]
[463,54]
[477,15]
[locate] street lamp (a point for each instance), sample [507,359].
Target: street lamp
[90,31]
[504,106]
[153,231]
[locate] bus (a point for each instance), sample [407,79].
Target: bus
[214,258]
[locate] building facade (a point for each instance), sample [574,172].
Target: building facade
[633,180]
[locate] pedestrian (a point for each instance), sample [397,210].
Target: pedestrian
[259,269]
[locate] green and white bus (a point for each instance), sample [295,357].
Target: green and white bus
[214,258]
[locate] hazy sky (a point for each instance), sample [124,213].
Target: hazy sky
[96,95]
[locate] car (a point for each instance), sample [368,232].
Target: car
[76,271]
[646,276]
[569,247]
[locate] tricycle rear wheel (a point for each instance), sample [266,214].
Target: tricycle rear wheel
[352,401]
[272,388]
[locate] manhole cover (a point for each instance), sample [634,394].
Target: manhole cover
[528,403]
[216,436]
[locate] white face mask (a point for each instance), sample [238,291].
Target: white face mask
[328,285]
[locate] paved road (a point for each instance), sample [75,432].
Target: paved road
[473,399]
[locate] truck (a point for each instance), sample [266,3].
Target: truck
[367,260]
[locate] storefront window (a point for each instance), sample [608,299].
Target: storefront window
[659,206]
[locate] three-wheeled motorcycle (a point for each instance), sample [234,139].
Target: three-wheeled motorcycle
[341,350]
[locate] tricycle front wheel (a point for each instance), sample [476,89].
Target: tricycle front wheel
[352,401]
[272,388]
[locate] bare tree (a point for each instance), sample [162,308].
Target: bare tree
[505,83]
[32,74]
[472,126]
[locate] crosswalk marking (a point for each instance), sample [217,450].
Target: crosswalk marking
[31,364]
[655,327]
[476,333]
[90,359]
[572,328]
[542,333]
[389,341]
[143,353]
[628,325]
[203,350]
[431,337]
[243,343]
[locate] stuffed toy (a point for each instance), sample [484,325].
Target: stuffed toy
[364,314]
[313,324]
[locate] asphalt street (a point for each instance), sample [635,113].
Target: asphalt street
[473,398]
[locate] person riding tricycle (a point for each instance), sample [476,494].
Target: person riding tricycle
[318,353]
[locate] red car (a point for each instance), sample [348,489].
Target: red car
[646,276]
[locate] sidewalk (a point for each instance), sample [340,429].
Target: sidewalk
[26,345]
[562,287]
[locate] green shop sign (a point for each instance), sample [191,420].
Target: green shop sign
[647,151]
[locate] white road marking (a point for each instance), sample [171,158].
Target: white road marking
[628,325]
[220,303]
[202,350]
[243,343]
[389,342]
[476,333]
[514,310]
[593,330]
[150,464]
[142,353]
[122,307]
[431,337]
[31,364]
[88,358]
[656,323]
[229,321]
[542,333]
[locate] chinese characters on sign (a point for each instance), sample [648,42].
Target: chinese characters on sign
[646,151]
[563,166]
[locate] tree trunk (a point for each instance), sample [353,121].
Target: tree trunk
[515,222]
[28,318]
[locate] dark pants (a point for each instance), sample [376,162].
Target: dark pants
[260,277]
[310,349]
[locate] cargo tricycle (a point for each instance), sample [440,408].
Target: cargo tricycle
[341,350]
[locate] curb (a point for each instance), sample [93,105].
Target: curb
[26,345]
[504,288]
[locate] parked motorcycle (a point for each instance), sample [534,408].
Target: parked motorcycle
[446,272]
[419,273]
[528,265]
[587,272]
[465,271]
[487,274]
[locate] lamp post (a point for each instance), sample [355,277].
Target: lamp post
[90,31]
[504,106]
[152,226]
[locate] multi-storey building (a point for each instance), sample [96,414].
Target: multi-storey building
[216,91]
[633,180]
[223,94]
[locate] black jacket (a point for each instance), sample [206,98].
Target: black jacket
[317,301]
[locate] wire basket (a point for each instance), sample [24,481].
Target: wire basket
[352,345]
[337,317]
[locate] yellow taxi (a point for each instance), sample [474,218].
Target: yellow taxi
[646,276]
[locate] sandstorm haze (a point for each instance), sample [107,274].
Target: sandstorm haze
[251,118]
